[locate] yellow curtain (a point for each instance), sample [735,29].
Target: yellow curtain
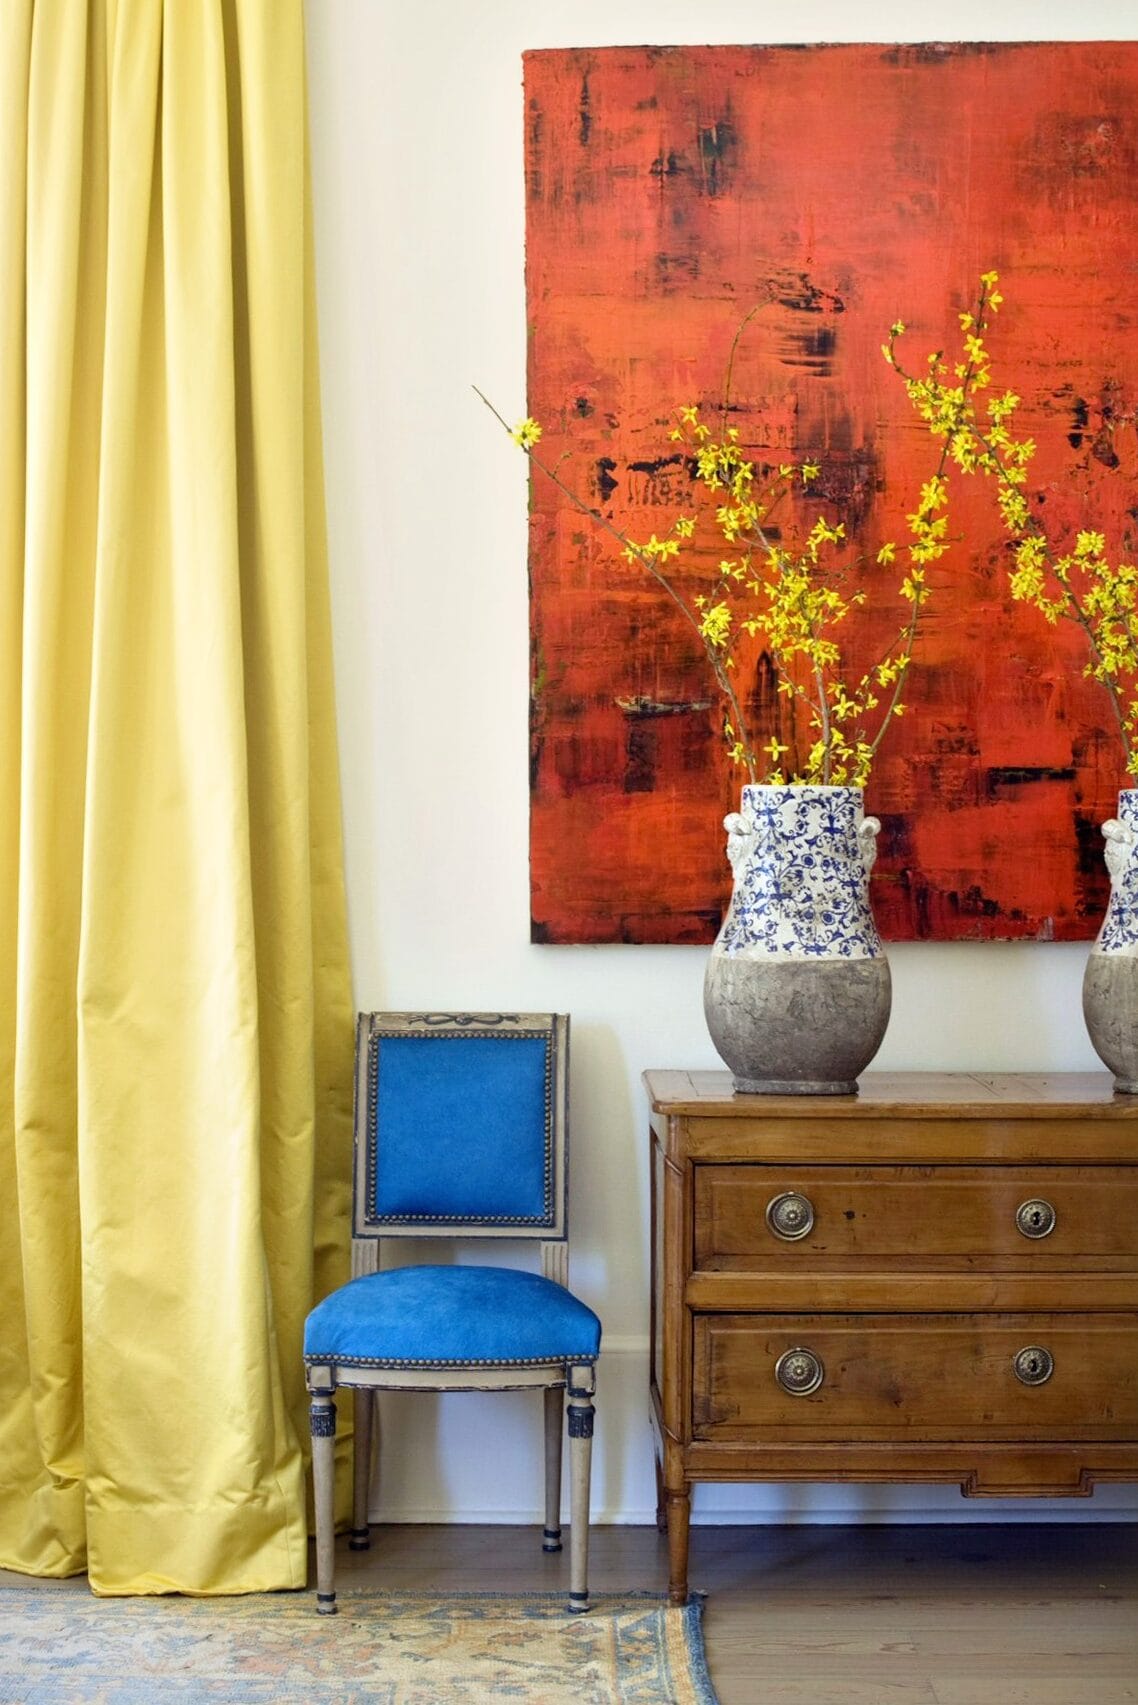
[175,1009]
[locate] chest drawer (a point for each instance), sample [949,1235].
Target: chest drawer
[748,1214]
[929,1377]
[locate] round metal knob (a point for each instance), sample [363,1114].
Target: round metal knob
[790,1215]
[799,1372]
[1033,1365]
[1035,1218]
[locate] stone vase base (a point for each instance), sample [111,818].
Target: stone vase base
[792,1086]
[789,1027]
[1110,1008]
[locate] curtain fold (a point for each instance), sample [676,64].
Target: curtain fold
[175,1009]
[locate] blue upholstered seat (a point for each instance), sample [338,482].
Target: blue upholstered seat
[457,1317]
[461,1132]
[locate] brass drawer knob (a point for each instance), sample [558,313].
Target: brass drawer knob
[1033,1365]
[790,1216]
[1035,1218]
[799,1372]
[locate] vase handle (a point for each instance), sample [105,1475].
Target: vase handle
[868,830]
[740,839]
[1119,846]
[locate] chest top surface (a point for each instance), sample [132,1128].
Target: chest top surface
[959,1095]
[1073,1117]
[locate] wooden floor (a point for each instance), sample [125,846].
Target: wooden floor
[974,1614]
[964,1615]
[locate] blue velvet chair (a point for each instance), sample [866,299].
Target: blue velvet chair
[461,1131]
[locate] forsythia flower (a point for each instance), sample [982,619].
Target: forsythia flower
[526,433]
[1081,585]
[784,585]
[716,624]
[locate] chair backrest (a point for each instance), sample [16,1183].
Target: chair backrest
[461,1125]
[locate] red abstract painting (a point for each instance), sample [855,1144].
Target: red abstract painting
[668,191]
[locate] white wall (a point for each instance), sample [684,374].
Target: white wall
[416,116]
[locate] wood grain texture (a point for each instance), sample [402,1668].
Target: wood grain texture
[913,1286]
[935,1095]
[912,1377]
[925,1211]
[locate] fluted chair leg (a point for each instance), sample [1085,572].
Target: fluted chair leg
[581,1412]
[322,1421]
[554,1405]
[365,1406]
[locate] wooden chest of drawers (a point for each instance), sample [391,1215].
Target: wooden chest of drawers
[936,1279]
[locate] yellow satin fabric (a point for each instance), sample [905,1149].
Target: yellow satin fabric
[175,1007]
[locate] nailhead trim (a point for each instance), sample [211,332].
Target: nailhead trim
[588,1359]
[545,1218]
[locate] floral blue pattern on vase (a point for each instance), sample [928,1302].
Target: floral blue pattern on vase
[1110,981]
[797,991]
[801,858]
[1119,932]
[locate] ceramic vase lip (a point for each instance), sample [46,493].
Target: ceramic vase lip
[770,801]
[800,787]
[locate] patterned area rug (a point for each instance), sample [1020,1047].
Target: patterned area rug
[60,1646]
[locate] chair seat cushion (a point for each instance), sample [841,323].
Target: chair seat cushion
[439,1317]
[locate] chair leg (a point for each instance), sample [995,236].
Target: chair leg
[582,1384]
[554,1404]
[322,1421]
[365,1407]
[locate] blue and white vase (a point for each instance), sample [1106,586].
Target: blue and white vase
[797,991]
[1110,982]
